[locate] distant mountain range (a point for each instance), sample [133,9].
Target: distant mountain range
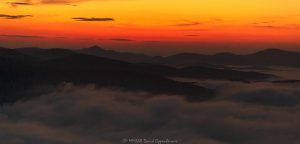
[155,65]
[24,73]
[123,56]
[268,57]
[25,69]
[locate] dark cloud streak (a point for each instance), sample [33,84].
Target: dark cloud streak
[92,19]
[36,2]
[15,4]
[121,39]
[21,36]
[188,24]
[14,16]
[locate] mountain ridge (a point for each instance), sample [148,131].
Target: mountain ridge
[18,76]
[266,57]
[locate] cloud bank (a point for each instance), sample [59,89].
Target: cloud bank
[86,114]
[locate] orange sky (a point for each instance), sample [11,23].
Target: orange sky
[153,26]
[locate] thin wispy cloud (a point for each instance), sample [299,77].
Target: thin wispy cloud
[60,1]
[265,22]
[152,41]
[274,26]
[86,39]
[267,26]
[273,23]
[6,16]
[192,35]
[120,39]
[60,37]
[92,19]
[194,29]
[15,4]
[37,2]
[21,36]
[188,24]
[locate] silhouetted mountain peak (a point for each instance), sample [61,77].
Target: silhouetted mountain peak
[11,53]
[111,54]
[6,50]
[95,47]
[274,51]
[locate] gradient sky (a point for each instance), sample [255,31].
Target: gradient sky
[152,26]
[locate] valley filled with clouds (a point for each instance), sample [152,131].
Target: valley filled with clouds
[259,112]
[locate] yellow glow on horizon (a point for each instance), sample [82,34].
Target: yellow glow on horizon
[213,20]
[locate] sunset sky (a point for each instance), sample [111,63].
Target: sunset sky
[152,26]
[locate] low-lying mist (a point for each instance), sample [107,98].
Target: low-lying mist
[257,113]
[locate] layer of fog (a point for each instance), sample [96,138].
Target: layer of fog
[281,71]
[85,114]
[241,113]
